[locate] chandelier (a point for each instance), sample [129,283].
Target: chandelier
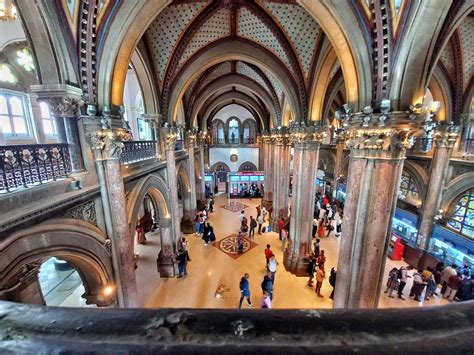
[7,11]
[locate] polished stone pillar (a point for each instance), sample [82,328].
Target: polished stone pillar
[107,147]
[307,142]
[166,261]
[375,168]
[65,112]
[281,176]
[202,142]
[261,153]
[154,121]
[190,143]
[269,172]
[170,134]
[445,138]
[341,144]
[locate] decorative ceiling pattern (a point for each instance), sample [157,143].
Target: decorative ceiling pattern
[166,29]
[447,58]
[248,71]
[300,27]
[276,85]
[213,29]
[467,38]
[250,26]
[334,70]
[218,71]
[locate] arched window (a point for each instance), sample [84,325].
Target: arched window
[234,131]
[408,191]
[246,133]
[462,216]
[220,133]
[13,119]
[48,122]
[6,74]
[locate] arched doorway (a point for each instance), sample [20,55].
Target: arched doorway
[220,170]
[187,207]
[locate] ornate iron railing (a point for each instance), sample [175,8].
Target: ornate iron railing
[423,145]
[469,146]
[249,140]
[134,151]
[178,145]
[33,164]
[219,141]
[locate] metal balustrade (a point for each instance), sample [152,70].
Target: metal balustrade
[469,146]
[32,164]
[422,145]
[135,151]
[178,145]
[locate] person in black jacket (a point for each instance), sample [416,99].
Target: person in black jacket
[332,282]
[267,285]
[310,270]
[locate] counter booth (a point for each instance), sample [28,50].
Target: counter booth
[209,182]
[246,184]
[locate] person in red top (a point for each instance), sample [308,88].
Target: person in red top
[268,253]
[281,225]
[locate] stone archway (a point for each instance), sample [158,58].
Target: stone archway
[189,206]
[247,166]
[80,243]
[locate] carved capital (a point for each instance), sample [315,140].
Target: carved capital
[170,134]
[191,137]
[108,144]
[301,135]
[153,119]
[446,136]
[64,106]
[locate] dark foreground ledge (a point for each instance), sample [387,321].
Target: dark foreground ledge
[38,330]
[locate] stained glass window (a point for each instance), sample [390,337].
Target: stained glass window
[462,217]
[408,191]
[25,59]
[6,74]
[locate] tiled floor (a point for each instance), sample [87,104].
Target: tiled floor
[210,267]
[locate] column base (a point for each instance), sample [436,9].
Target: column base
[295,263]
[166,266]
[187,226]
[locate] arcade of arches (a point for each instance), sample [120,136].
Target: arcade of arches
[121,120]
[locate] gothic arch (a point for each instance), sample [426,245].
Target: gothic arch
[243,166]
[222,164]
[80,243]
[328,159]
[419,175]
[183,177]
[345,166]
[153,186]
[456,187]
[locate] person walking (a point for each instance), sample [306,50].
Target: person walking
[446,274]
[316,246]
[321,229]
[181,263]
[418,286]
[245,290]
[321,258]
[260,223]
[264,213]
[211,204]
[272,267]
[332,282]
[284,237]
[338,224]
[140,234]
[266,301]
[267,286]
[241,216]
[392,282]
[253,225]
[320,276]
[310,270]
[403,276]
[268,254]
[454,282]
[183,244]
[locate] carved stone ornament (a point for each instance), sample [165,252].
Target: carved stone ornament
[170,135]
[191,137]
[301,134]
[64,106]
[107,145]
[446,136]
[153,120]
[280,136]
[85,212]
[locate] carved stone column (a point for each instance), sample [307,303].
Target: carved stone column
[24,286]
[268,187]
[341,144]
[307,141]
[202,190]
[65,111]
[170,134]
[445,138]
[166,261]
[376,164]
[261,153]
[107,147]
[281,175]
[154,121]
[190,211]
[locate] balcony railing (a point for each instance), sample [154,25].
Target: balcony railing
[33,164]
[249,140]
[134,151]
[219,141]
[178,145]
[422,145]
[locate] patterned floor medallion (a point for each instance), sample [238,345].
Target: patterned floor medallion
[228,245]
[234,206]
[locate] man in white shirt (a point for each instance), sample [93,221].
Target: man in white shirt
[241,216]
[272,267]
[446,274]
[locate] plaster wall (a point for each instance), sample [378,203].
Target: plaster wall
[223,155]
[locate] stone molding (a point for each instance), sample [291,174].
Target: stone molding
[446,136]
[191,137]
[62,106]
[85,212]
[170,134]
[107,145]
[302,135]
[153,119]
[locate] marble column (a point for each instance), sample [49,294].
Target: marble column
[190,143]
[307,142]
[281,176]
[261,153]
[170,134]
[202,141]
[65,111]
[107,147]
[341,144]
[166,262]
[154,121]
[375,167]
[269,172]
[445,138]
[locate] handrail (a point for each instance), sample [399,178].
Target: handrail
[25,165]
[36,329]
[134,151]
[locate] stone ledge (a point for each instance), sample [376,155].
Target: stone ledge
[35,329]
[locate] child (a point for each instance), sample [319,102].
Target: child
[392,283]
[266,301]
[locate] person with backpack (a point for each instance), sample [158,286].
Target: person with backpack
[392,282]
[332,282]
[245,290]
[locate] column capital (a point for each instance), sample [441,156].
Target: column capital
[153,119]
[280,136]
[191,137]
[64,100]
[446,136]
[108,144]
[302,135]
[201,138]
[170,134]
[62,106]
